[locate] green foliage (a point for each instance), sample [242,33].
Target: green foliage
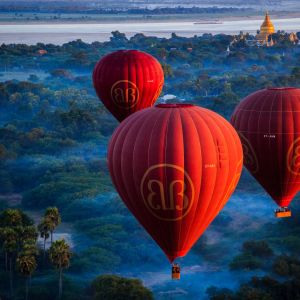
[18,238]
[26,264]
[53,141]
[111,287]
[215,293]
[44,228]
[249,293]
[168,72]
[61,73]
[257,248]
[95,258]
[287,266]
[254,254]
[52,219]
[245,261]
[14,218]
[33,78]
[60,254]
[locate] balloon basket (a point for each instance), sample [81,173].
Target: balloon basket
[175,271]
[283,212]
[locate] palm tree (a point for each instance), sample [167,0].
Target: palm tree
[11,218]
[60,255]
[2,242]
[53,216]
[15,229]
[26,265]
[25,233]
[9,241]
[29,233]
[44,229]
[30,248]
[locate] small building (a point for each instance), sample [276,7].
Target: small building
[42,52]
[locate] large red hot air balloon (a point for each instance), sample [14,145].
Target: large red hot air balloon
[175,166]
[268,123]
[127,81]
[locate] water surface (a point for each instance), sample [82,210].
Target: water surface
[65,32]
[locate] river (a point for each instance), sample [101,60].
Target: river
[89,32]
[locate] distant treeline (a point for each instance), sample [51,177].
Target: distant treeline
[63,7]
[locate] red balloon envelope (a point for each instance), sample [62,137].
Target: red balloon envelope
[175,166]
[127,81]
[268,123]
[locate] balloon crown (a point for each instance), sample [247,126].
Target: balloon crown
[281,88]
[173,105]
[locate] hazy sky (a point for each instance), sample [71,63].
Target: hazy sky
[182,2]
[258,4]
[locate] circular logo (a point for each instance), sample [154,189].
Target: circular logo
[293,157]
[250,159]
[124,94]
[169,198]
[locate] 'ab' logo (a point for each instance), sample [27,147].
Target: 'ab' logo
[168,200]
[293,157]
[125,94]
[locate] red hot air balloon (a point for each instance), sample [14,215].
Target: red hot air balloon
[268,123]
[175,166]
[127,81]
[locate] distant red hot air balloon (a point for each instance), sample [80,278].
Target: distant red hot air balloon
[127,81]
[175,166]
[268,123]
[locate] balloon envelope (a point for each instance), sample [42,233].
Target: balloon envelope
[268,123]
[175,167]
[127,81]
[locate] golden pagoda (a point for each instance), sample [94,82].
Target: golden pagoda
[267,26]
[266,29]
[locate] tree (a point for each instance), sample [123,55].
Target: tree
[61,73]
[215,293]
[30,248]
[9,239]
[44,229]
[296,72]
[26,265]
[201,84]
[168,71]
[162,53]
[28,233]
[33,78]
[11,218]
[60,255]
[246,292]
[245,261]
[118,38]
[53,218]
[257,248]
[16,230]
[286,266]
[111,287]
